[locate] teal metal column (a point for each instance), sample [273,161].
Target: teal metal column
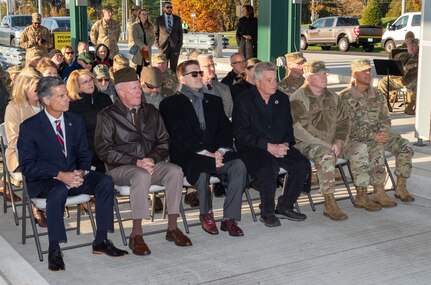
[279,28]
[78,22]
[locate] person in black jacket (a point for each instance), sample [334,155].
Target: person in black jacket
[87,101]
[263,132]
[246,34]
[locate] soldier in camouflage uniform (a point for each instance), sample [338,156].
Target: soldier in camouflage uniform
[106,31]
[294,78]
[371,124]
[321,126]
[409,61]
[151,84]
[36,37]
[133,18]
[170,80]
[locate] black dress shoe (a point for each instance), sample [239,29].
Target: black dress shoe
[55,260]
[289,214]
[270,221]
[108,248]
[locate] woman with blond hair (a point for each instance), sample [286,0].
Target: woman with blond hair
[87,101]
[47,67]
[24,104]
[143,37]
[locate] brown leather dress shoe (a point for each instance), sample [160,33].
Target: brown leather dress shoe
[92,205]
[138,246]
[178,237]
[208,223]
[16,198]
[231,227]
[39,217]
[191,198]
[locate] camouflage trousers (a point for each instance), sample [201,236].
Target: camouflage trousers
[397,145]
[395,83]
[324,161]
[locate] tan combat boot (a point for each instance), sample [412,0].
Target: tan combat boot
[331,209]
[401,191]
[380,197]
[363,201]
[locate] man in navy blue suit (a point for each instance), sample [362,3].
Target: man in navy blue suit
[54,158]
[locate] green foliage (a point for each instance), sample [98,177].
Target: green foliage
[372,15]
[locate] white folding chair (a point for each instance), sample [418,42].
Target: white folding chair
[40,203]
[124,191]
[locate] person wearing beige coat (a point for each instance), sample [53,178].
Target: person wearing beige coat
[143,36]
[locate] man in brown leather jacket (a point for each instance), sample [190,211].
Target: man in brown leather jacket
[132,140]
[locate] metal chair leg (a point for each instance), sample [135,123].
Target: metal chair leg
[120,223]
[91,217]
[391,176]
[250,204]
[310,199]
[183,216]
[346,183]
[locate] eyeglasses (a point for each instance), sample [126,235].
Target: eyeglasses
[240,61]
[69,52]
[86,82]
[168,7]
[103,80]
[194,73]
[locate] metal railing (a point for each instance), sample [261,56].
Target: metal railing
[207,43]
[12,55]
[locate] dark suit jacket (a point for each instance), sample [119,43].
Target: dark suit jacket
[187,138]
[40,155]
[251,126]
[174,40]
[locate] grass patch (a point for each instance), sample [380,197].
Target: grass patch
[231,36]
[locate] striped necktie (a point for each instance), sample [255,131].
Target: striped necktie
[60,136]
[169,24]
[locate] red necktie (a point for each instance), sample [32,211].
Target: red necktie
[60,136]
[209,86]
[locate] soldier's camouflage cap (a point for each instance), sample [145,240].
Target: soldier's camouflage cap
[101,71]
[36,18]
[107,8]
[314,66]
[33,54]
[14,69]
[359,65]
[158,58]
[85,57]
[120,61]
[413,42]
[294,57]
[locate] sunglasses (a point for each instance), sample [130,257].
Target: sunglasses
[236,62]
[69,52]
[194,73]
[103,80]
[168,7]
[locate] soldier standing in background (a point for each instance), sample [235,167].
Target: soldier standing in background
[106,31]
[321,125]
[36,37]
[294,78]
[133,17]
[371,124]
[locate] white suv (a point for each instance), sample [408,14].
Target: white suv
[395,32]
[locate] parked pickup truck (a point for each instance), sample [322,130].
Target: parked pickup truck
[341,31]
[395,32]
[11,28]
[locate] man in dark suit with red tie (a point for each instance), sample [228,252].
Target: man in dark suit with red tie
[169,35]
[55,160]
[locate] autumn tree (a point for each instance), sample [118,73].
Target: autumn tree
[411,6]
[211,15]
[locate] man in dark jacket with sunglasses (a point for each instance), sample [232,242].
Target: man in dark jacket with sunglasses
[202,144]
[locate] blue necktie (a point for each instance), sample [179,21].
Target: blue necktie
[169,24]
